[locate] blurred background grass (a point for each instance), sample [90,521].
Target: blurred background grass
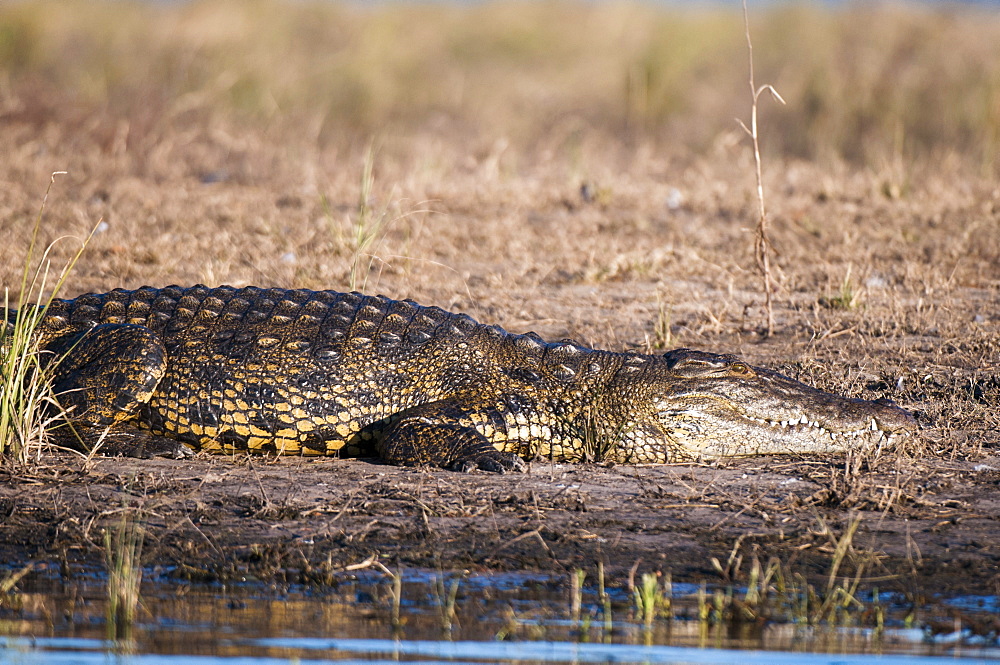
[864,83]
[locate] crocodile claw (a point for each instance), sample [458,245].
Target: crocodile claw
[494,461]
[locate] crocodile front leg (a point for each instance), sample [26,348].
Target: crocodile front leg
[434,435]
[100,378]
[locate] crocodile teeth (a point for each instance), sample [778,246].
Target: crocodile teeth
[803,420]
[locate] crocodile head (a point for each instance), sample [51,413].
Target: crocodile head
[707,405]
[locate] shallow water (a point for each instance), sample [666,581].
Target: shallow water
[508,618]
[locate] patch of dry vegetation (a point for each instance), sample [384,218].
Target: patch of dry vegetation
[864,82]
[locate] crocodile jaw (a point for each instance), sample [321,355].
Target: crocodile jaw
[701,432]
[769,413]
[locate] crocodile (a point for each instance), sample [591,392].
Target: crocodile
[176,369]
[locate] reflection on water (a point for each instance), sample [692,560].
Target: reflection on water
[352,620]
[93,652]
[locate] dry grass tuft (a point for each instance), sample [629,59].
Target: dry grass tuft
[123,558]
[27,406]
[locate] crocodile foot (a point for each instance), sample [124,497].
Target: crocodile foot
[431,435]
[139,444]
[490,460]
[144,446]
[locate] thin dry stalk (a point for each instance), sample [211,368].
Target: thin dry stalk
[9,581]
[762,245]
[576,579]
[369,225]
[447,598]
[605,598]
[396,577]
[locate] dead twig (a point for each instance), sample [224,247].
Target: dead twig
[762,245]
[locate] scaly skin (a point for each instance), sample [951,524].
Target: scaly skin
[326,373]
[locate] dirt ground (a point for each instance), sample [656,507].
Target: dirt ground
[546,217]
[295,521]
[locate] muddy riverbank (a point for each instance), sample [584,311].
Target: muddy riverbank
[299,521]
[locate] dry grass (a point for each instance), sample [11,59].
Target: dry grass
[123,557]
[863,82]
[27,406]
[569,168]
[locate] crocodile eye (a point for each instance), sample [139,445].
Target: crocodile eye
[741,368]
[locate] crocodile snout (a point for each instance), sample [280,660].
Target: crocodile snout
[891,418]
